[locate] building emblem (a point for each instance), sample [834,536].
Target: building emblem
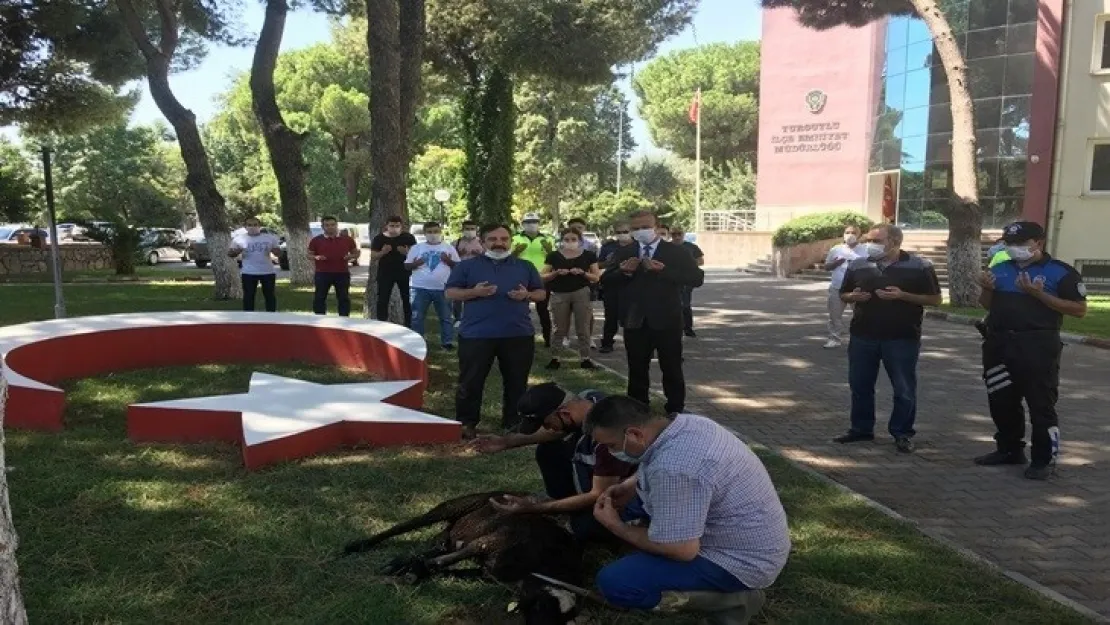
[815,100]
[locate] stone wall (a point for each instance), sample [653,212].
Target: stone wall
[24,259]
[787,261]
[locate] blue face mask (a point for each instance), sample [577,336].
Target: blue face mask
[623,455]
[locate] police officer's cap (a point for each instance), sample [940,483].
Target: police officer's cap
[1021,231]
[537,403]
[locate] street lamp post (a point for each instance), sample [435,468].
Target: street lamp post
[55,254]
[441,196]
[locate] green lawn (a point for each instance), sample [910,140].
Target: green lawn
[142,273]
[1096,323]
[112,532]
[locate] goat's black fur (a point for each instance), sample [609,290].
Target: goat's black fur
[507,547]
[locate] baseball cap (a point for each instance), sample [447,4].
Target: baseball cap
[537,403]
[1022,231]
[530,217]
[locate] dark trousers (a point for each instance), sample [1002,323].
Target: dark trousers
[612,317]
[1019,366]
[514,359]
[899,358]
[556,462]
[250,290]
[386,282]
[324,282]
[687,308]
[544,314]
[639,344]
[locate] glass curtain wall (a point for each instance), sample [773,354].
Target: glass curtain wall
[913,126]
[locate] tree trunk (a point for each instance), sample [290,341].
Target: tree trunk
[11,598]
[413,25]
[351,177]
[965,221]
[284,145]
[489,119]
[387,153]
[211,210]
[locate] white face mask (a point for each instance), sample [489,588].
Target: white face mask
[531,228]
[1019,252]
[644,235]
[470,234]
[393,230]
[434,239]
[497,254]
[570,245]
[850,239]
[875,250]
[624,237]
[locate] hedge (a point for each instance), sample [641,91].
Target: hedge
[818,227]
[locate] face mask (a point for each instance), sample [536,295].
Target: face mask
[497,254]
[254,230]
[850,239]
[875,250]
[570,245]
[394,230]
[470,234]
[435,239]
[623,455]
[624,237]
[645,236]
[1019,253]
[531,228]
[996,248]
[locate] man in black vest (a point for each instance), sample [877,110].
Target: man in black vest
[651,277]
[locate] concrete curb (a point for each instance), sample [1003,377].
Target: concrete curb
[1037,587]
[1070,339]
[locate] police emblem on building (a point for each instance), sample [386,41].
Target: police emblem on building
[815,100]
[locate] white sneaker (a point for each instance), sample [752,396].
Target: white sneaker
[832,344]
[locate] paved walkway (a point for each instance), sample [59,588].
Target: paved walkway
[758,366]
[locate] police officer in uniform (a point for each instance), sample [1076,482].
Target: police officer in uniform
[1026,298]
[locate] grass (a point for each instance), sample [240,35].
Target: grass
[1096,323]
[112,532]
[142,273]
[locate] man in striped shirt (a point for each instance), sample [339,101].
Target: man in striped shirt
[715,526]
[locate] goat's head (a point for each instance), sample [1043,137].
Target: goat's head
[543,604]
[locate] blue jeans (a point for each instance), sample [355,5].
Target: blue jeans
[899,358]
[421,299]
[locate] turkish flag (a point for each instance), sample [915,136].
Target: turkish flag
[695,108]
[888,199]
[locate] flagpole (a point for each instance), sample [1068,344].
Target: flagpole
[697,167]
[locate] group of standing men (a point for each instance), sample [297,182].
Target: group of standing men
[1026,293]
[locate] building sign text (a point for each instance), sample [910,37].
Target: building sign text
[815,137]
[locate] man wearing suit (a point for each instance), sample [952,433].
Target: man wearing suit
[651,276]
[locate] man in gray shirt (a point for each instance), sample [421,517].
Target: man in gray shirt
[714,520]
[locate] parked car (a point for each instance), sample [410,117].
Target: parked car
[314,230]
[12,233]
[158,245]
[198,245]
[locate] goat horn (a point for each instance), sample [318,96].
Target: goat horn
[578,590]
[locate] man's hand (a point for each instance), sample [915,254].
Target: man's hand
[519,293]
[404,249]
[576,271]
[840,260]
[319,257]
[489,444]
[654,265]
[621,494]
[444,257]
[519,249]
[562,272]
[986,280]
[545,244]
[606,512]
[484,289]
[858,295]
[1031,286]
[418,262]
[387,249]
[630,265]
[510,504]
[890,293]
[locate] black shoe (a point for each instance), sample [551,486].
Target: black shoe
[554,364]
[854,437]
[606,349]
[691,334]
[588,364]
[996,458]
[1039,471]
[904,444]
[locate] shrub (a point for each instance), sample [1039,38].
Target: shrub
[818,227]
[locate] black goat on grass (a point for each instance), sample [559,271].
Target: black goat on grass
[507,548]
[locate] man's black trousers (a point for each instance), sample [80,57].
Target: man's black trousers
[612,316]
[514,359]
[386,282]
[1017,366]
[639,344]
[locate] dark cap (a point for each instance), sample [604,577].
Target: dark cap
[1022,231]
[537,403]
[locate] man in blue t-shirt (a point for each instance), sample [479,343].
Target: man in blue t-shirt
[497,288]
[575,469]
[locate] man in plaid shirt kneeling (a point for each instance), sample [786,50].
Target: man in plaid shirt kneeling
[715,532]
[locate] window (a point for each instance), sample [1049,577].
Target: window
[1099,181]
[1101,58]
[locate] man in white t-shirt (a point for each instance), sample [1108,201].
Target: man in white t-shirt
[430,263]
[256,249]
[837,262]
